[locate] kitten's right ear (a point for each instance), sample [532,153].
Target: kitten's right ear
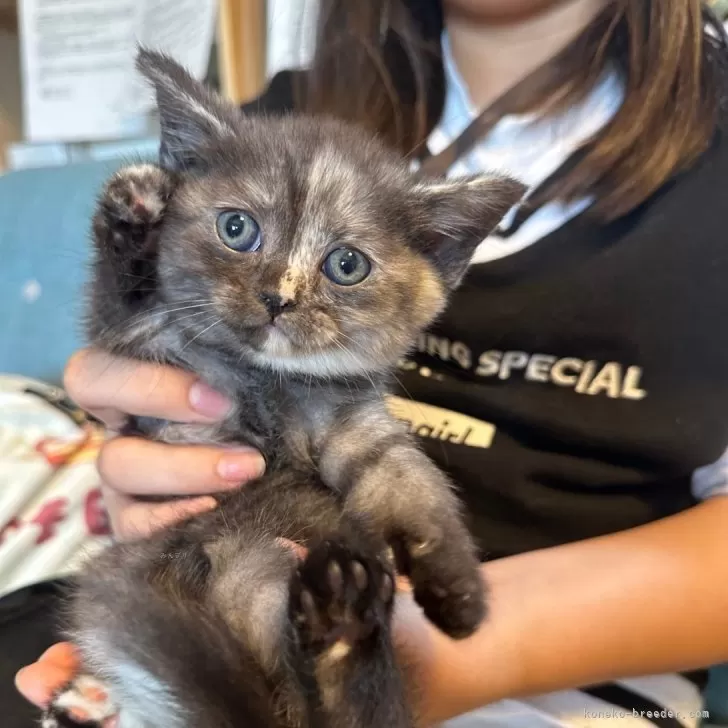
[191,115]
[458,214]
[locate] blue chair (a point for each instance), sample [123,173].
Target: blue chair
[44,251]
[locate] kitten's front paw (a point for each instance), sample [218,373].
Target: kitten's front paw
[457,608]
[340,598]
[448,586]
[137,196]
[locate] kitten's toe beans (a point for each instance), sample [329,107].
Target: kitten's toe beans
[360,575]
[306,612]
[340,597]
[335,580]
[386,589]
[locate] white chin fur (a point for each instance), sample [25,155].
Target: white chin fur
[277,344]
[332,363]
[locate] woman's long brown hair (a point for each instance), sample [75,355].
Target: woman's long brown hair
[377,62]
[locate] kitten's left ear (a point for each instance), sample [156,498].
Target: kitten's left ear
[191,115]
[459,214]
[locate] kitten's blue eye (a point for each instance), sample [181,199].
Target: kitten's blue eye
[346,266]
[238,231]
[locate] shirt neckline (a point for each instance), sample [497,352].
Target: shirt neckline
[525,146]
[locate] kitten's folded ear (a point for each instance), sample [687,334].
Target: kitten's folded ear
[191,115]
[460,213]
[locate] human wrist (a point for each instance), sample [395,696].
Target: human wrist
[454,677]
[488,666]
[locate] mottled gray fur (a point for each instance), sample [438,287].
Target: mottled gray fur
[215,623]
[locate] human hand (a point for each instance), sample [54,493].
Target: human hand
[55,668]
[111,388]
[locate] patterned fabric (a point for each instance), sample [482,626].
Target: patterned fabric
[51,514]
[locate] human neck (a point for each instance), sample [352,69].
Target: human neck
[493,55]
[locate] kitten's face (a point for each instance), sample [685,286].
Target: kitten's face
[309,246]
[305,249]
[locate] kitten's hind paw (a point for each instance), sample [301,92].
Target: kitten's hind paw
[82,703]
[340,598]
[137,196]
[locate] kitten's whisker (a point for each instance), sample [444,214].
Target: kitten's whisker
[352,354]
[139,278]
[224,519]
[190,315]
[161,310]
[406,391]
[186,308]
[197,336]
[418,405]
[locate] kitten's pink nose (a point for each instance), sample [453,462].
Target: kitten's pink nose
[275,304]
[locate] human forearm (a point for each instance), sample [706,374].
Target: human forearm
[647,600]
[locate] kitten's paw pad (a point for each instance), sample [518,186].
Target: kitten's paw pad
[83,702]
[138,195]
[457,607]
[340,598]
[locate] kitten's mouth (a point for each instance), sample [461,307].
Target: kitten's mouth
[277,341]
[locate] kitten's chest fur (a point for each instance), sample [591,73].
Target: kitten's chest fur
[287,417]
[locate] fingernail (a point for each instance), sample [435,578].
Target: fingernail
[239,466]
[208,402]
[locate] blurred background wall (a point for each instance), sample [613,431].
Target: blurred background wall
[252,40]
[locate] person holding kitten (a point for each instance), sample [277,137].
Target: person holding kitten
[575,388]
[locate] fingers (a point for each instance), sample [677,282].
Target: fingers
[111,387]
[38,682]
[57,666]
[132,519]
[139,467]
[131,466]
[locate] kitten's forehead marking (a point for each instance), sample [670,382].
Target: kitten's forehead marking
[331,170]
[260,191]
[321,170]
[311,234]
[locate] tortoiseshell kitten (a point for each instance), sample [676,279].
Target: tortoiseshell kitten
[290,262]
